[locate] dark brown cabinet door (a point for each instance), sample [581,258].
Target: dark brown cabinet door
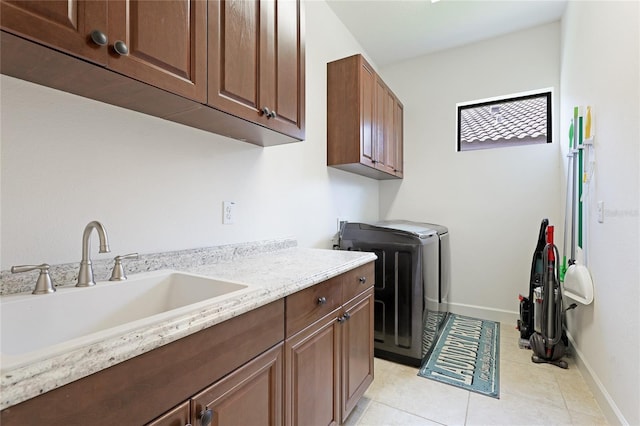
[166,43]
[357,351]
[63,24]
[383,125]
[367,115]
[179,416]
[251,395]
[256,62]
[398,126]
[159,42]
[312,375]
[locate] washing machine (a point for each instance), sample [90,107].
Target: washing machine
[411,284]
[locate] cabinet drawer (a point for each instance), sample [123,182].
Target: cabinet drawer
[357,281]
[309,305]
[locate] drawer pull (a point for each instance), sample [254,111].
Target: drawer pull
[322,300]
[362,280]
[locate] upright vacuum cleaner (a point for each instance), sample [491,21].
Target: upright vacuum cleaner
[549,341]
[526,321]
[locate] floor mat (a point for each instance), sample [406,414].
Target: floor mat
[466,355]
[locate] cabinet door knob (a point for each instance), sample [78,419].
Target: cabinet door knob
[362,280]
[322,300]
[99,38]
[344,317]
[206,416]
[121,48]
[268,113]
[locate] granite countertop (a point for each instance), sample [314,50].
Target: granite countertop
[270,274]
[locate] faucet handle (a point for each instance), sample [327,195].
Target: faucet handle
[117,274]
[44,285]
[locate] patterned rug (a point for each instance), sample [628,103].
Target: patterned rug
[466,355]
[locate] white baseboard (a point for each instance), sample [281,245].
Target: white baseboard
[606,403]
[481,312]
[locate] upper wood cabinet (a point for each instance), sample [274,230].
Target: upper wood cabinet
[235,67]
[364,121]
[61,24]
[256,62]
[162,43]
[166,43]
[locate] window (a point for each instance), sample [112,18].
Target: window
[508,121]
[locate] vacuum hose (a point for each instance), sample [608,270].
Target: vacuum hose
[552,297]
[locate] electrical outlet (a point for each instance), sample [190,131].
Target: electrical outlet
[601,211]
[228,212]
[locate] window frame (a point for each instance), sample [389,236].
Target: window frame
[546,93]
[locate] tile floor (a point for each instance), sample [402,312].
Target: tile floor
[530,394]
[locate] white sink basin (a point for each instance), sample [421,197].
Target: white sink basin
[75,316]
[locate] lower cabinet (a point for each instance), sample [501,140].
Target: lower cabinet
[329,364]
[313,374]
[179,416]
[356,351]
[303,360]
[250,395]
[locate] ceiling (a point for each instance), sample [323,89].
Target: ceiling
[391,31]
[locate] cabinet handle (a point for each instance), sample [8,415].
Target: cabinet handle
[322,300]
[362,280]
[268,113]
[344,317]
[121,48]
[206,416]
[99,38]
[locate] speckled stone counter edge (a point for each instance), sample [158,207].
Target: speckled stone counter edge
[272,270]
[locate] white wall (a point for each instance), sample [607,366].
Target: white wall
[601,68]
[159,186]
[491,200]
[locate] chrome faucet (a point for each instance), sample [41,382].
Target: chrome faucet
[85,274]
